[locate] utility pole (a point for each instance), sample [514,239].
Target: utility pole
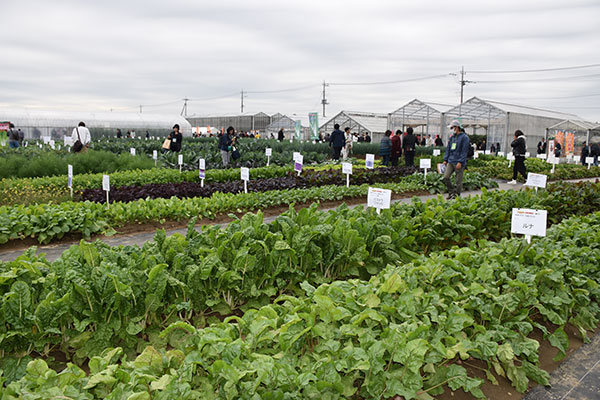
[242,99]
[184,109]
[463,82]
[324,100]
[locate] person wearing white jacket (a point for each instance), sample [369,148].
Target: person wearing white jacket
[82,134]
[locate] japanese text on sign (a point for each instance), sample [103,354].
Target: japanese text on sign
[529,222]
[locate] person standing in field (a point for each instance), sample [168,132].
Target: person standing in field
[455,159]
[225,142]
[348,145]
[396,147]
[337,141]
[541,146]
[176,138]
[408,145]
[385,147]
[13,137]
[519,148]
[280,135]
[82,134]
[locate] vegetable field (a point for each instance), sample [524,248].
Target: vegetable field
[416,301]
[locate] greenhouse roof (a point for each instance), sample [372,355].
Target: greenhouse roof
[372,122]
[284,122]
[476,108]
[569,124]
[417,109]
[60,119]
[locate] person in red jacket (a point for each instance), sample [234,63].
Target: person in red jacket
[396,147]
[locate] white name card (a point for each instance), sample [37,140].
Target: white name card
[379,198]
[425,163]
[436,152]
[297,156]
[106,183]
[536,180]
[268,152]
[132,151]
[202,163]
[370,161]
[154,154]
[529,222]
[245,173]
[589,160]
[180,159]
[542,156]
[347,168]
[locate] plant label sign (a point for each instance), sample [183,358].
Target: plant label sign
[297,156]
[425,163]
[154,155]
[379,198]
[589,160]
[527,154]
[202,164]
[70,176]
[268,152]
[510,157]
[180,159]
[370,161]
[347,168]
[245,173]
[132,151]
[577,159]
[536,180]
[436,152]
[51,143]
[542,156]
[298,163]
[529,222]
[501,154]
[106,183]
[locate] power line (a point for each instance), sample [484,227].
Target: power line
[536,70]
[282,90]
[390,82]
[564,78]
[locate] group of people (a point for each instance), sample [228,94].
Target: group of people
[592,150]
[393,146]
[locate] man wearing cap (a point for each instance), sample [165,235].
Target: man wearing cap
[455,158]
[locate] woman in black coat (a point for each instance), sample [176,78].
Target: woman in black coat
[176,138]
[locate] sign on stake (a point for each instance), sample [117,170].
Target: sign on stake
[245,175]
[268,153]
[425,163]
[202,171]
[298,161]
[70,178]
[347,169]
[370,161]
[180,160]
[536,180]
[529,222]
[106,187]
[379,198]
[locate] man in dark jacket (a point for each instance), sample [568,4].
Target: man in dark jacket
[585,152]
[519,149]
[176,138]
[455,159]
[280,135]
[541,146]
[337,141]
[225,145]
[595,152]
[396,147]
[408,145]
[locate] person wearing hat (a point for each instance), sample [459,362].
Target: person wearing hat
[455,159]
[176,138]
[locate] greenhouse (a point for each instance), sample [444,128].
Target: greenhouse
[423,117]
[572,134]
[359,122]
[37,123]
[288,125]
[500,120]
[241,122]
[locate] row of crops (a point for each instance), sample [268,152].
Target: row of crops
[322,305]
[339,304]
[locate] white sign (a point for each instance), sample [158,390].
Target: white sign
[436,152]
[67,140]
[268,152]
[347,168]
[70,175]
[577,159]
[542,156]
[510,157]
[529,222]
[180,159]
[132,151]
[370,161]
[106,183]
[202,163]
[379,198]
[527,154]
[245,173]
[554,160]
[425,163]
[589,160]
[51,143]
[297,156]
[154,154]
[46,139]
[536,180]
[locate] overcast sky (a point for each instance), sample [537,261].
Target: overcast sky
[118,54]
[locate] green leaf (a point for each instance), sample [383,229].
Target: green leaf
[560,340]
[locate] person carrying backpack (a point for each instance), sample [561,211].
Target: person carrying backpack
[13,137]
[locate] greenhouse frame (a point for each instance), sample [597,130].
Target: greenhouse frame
[288,125]
[583,131]
[359,122]
[500,120]
[241,122]
[56,124]
[423,117]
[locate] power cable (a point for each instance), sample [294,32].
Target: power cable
[535,70]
